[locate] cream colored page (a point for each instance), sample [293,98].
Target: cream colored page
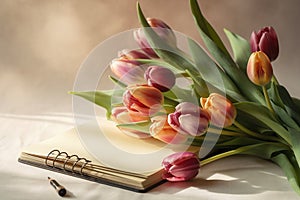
[68,142]
[128,153]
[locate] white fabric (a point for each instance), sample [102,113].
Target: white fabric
[238,177]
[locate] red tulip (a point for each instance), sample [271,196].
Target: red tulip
[265,40]
[181,166]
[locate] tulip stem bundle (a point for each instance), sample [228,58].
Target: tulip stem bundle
[255,135]
[240,150]
[221,104]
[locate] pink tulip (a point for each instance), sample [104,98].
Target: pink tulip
[146,100]
[189,119]
[126,68]
[265,40]
[160,77]
[162,30]
[222,112]
[181,166]
[161,130]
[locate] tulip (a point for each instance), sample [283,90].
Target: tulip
[126,68]
[265,40]
[181,166]
[222,112]
[189,119]
[121,115]
[160,77]
[161,130]
[146,100]
[259,68]
[161,29]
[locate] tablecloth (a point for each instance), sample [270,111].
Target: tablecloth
[237,177]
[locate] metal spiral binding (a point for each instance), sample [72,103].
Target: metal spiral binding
[80,162]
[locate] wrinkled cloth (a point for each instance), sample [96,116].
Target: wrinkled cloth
[237,177]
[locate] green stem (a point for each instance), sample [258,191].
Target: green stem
[224,132]
[256,135]
[197,141]
[275,80]
[267,98]
[224,155]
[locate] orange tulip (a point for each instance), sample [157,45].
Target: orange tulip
[259,68]
[144,99]
[222,112]
[161,130]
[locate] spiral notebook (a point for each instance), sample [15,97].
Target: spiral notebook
[67,153]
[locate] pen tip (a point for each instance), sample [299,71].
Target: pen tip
[49,178]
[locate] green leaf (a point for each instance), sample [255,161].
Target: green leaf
[265,150]
[285,117]
[263,114]
[296,102]
[289,170]
[247,89]
[252,123]
[204,26]
[212,73]
[295,136]
[171,55]
[240,48]
[159,62]
[177,95]
[274,94]
[223,58]
[240,141]
[288,101]
[117,82]
[142,126]
[101,98]
[200,86]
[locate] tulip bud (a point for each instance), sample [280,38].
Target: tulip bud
[121,115]
[144,99]
[222,112]
[259,68]
[161,29]
[161,130]
[127,68]
[181,166]
[189,119]
[160,77]
[265,40]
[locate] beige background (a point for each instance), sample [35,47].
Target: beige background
[42,43]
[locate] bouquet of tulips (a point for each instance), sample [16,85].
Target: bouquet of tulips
[235,105]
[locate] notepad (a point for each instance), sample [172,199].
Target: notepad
[115,158]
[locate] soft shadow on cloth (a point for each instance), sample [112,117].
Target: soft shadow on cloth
[258,177]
